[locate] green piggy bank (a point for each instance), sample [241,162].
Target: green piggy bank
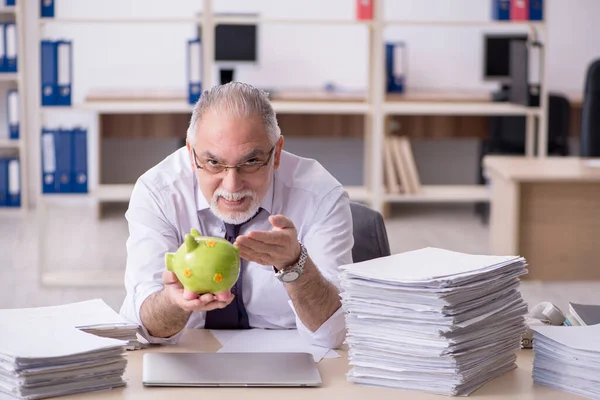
[205,264]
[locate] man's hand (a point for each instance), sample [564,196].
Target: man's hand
[278,247]
[190,301]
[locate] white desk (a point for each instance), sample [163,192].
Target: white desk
[516,384]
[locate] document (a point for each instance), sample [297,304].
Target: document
[269,341]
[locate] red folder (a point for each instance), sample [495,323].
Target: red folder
[519,10]
[364,9]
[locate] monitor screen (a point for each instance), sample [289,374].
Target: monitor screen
[235,43]
[497,56]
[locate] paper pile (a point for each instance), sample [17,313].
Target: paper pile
[433,320]
[568,358]
[43,353]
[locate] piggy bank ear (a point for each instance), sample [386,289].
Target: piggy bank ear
[237,249]
[169,261]
[190,243]
[194,232]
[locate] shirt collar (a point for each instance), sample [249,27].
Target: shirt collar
[266,204]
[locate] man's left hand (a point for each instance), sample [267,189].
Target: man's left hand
[278,247]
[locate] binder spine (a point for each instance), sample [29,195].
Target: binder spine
[11,2]
[364,10]
[501,10]
[64,162]
[49,184]
[395,61]
[13,113]
[194,70]
[536,10]
[80,167]
[3,182]
[14,183]
[64,72]
[48,73]
[10,37]
[47,8]
[519,10]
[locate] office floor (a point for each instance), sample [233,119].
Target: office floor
[75,239]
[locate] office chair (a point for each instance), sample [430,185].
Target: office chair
[590,117]
[370,235]
[507,136]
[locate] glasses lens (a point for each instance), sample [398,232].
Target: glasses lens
[214,168]
[249,168]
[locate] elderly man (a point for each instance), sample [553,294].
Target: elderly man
[290,218]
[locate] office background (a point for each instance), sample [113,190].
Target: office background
[144,55]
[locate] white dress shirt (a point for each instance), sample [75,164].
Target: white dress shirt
[166,204]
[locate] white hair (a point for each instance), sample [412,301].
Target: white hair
[235,99]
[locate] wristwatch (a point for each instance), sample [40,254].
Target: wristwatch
[293,272]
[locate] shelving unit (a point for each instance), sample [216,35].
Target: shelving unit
[17,147]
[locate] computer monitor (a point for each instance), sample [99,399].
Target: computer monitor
[496,53]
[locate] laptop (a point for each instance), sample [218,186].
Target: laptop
[230,369]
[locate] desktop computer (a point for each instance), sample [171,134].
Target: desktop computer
[497,61]
[234,44]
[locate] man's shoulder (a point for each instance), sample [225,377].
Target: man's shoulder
[306,177]
[171,170]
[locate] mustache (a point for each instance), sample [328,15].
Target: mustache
[233,196]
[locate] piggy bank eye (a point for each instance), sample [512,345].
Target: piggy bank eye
[211,243]
[218,278]
[187,273]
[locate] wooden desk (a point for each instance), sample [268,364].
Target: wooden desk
[516,384]
[547,210]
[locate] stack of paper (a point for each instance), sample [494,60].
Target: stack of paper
[43,354]
[568,358]
[433,320]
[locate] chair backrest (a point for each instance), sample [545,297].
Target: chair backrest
[370,235]
[590,117]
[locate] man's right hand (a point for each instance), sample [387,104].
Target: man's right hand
[190,301]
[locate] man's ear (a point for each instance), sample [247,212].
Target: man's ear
[278,148]
[189,148]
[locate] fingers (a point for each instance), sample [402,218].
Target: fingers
[169,278]
[206,302]
[279,221]
[277,238]
[256,245]
[252,255]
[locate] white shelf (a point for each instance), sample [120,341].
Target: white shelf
[301,21]
[358,193]
[83,278]
[8,10]
[10,144]
[127,107]
[113,192]
[103,20]
[320,107]
[11,211]
[443,194]
[456,108]
[472,23]
[9,76]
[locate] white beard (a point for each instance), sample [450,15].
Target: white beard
[236,217]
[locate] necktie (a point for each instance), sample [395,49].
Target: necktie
[234,316]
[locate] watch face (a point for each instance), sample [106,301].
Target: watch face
[290,276]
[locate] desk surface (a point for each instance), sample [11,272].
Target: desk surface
[550,169]
[516,384]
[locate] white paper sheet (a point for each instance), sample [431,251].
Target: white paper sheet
[586,338]
[270,341]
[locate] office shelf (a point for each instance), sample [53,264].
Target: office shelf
[103,20]
[113,192]
[12,211]
[464,23]
[9,77]
[83,278]
[8,10]
[320,107]
[10,144]
[141,107]
[456,108]
[443,194]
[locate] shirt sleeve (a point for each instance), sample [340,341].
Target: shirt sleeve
[329,243]
[150,237]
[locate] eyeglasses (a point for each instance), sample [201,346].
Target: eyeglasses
[247,167]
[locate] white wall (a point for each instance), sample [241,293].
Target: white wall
[153,56]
